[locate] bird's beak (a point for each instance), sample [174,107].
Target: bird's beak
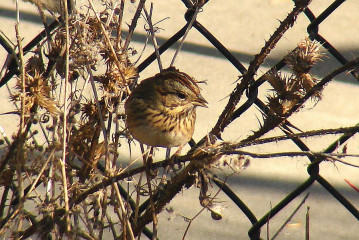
[200,101]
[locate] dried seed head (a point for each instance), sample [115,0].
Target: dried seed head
[115,84]
[276,80]
[34,66]
[282,106]
[304,57]
[307,82]
[89,111]
[37,92]
[234,162]
[288,90]
[282,84]
[86,45]
[119,79]
[215,207]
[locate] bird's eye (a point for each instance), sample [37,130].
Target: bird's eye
[181,95]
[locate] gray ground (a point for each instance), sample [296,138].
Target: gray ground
[243,26]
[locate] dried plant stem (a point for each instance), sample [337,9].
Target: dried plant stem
[184,36]
[193,218]
[64,131]
[22,69]
[114,7]
[307,134]
[2,131]
[171,190]
[126,222]
[288,154]
[215,151]
[112,226]
[138,198]
[119,24]
[103,205]
[134,24]
[149,21]
[103,127]
[86,220]
[3,200]
[329,156]
[190,222]
[20,151]
[291,216]
[147,160]
[307,226]
[23,199]
[117,136]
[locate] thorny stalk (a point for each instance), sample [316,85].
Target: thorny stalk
[213,153]
[197,161]
[225,117]
[332,156]
[307,134]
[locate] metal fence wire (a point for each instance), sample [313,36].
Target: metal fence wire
[251,89]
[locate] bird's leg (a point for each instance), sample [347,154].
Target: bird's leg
[148,159]
[167,168]
[175,157]
[172,162]
[168,153]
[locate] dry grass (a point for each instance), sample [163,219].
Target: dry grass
[63,157]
